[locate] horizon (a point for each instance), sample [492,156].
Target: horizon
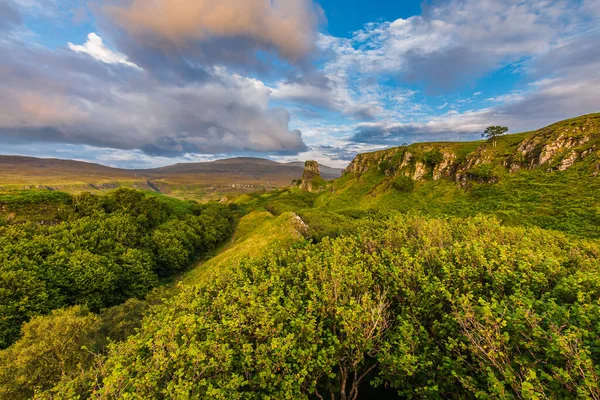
[132,86]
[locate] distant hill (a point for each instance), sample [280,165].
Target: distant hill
[253,168]
[30,170]
[191,180]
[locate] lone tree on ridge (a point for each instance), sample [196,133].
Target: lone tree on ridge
[493,132]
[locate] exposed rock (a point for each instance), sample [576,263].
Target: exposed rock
[568,161]
[366,161]
[420,171]
[445,167]
[557,147]
[311,176]
[406,160]
[480,156]
[552,149]
[299,225]
[547,145]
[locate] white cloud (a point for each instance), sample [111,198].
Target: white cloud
[335,95]
[508,97]
[96,48]
[592,6]
[454,42]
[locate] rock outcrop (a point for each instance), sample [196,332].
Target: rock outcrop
[311,178]
[557,147]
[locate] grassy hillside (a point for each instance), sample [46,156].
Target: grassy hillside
[548,178]
[254,235]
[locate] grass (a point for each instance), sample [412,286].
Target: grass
[543,196]
[254,235]
[561,200]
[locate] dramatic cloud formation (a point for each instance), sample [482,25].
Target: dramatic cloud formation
[199,79]
[456,41]
[447,127]
[571,90]
[71,99]
[287,27]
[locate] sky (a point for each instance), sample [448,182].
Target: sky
[147,83]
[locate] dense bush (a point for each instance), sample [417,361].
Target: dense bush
[482,173]
[433,158]
[63,345]
[403,184]
[109,249]
[420,308]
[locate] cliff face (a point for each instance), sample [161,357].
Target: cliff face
[557,147]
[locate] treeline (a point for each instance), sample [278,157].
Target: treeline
[97,251]
[399,307]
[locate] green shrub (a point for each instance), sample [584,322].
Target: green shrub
[418,307]
[111,248]
[433,158]
[482,173]
[403,184]
[64,346]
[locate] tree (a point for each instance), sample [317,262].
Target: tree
[50,349]
[493,132]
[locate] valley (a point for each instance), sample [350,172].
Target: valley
[393,279]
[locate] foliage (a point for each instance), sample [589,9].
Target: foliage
[63,346]
[433,157]
[492,132]
[403,183]
[482,173]
[426,308]
[108,249]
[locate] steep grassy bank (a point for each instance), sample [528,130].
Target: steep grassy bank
[547,178]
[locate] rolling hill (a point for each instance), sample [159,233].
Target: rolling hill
[190,180]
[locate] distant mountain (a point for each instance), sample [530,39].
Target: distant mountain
[30,170]
[241,172]
[256,168]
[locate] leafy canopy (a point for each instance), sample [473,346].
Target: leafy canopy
[492,132]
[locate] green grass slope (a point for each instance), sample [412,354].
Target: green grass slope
[547,178]
[255,233]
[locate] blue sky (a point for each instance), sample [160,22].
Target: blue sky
[141,83]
